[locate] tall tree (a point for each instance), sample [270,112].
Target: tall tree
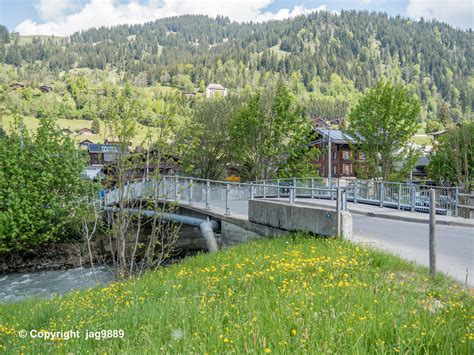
[206,141]
[452,158]
[382,123]
[268,130]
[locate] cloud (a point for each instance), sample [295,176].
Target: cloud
[51,9]
[455,12]
[98,13]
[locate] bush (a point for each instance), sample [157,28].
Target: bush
[40,185]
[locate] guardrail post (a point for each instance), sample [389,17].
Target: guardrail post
[382,193]
[176,188]
[312,188]
[190,192]
[412,198]
[227,193]
[344,199]
[264,183]
[278,188]
[294,185]
[399,196]
[252,191]
[291,195]
[355,191]
[338,210]
[208,191]
[456,201]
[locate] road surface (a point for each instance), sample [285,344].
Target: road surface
[454,245]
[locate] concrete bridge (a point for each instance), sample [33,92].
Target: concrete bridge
[244,211]
[241,210]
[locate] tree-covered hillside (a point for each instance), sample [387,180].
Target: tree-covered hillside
[327,59]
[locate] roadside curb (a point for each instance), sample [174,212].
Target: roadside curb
[414,220]
[460,223]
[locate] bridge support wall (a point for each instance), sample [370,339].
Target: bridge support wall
[291,217]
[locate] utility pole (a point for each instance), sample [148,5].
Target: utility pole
[329,160]
[432,240]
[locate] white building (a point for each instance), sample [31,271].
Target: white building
[215,89]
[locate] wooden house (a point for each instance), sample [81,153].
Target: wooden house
[215,90]
[16,86]
[84,132]
[84,144]
[346,160]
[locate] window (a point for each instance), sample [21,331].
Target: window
[346,169]
[334,154]
[346,155]
[334,170]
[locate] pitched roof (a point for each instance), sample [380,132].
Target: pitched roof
[215,87]
[336,135]
[103,148]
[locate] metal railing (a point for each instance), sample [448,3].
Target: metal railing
[227,195]
[211,194]
[402,196]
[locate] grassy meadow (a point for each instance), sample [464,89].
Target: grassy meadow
[294,294]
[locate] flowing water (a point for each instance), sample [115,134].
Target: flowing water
[15,287]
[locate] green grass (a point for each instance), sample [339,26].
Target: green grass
[32,124]
[294,294]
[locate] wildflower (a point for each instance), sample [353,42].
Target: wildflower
[267,350]
[293,332]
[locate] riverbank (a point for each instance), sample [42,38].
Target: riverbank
[53,256]
[292,294]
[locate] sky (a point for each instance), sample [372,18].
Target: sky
[64,17]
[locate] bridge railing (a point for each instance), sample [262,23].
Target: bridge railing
[211,194]
[403,196]
[226,195]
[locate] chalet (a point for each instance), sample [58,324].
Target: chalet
[143,164]
[84,144]
[215,90]
[345,160]
[45,88]
[100,154]
[84,132]
[16,86]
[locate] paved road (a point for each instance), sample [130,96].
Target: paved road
[455,245]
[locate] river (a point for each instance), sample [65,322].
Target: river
[44,284]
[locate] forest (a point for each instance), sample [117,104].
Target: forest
[327,60]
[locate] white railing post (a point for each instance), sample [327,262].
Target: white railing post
[456,201]
[264,183]
[291,195]
[227,193]
[399,195]
[176,188]
[252,191]
[278,188]
[312,187]
[294,185]
[382,193]
[412,198]
[208,191]
[190,196]
[355,191]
